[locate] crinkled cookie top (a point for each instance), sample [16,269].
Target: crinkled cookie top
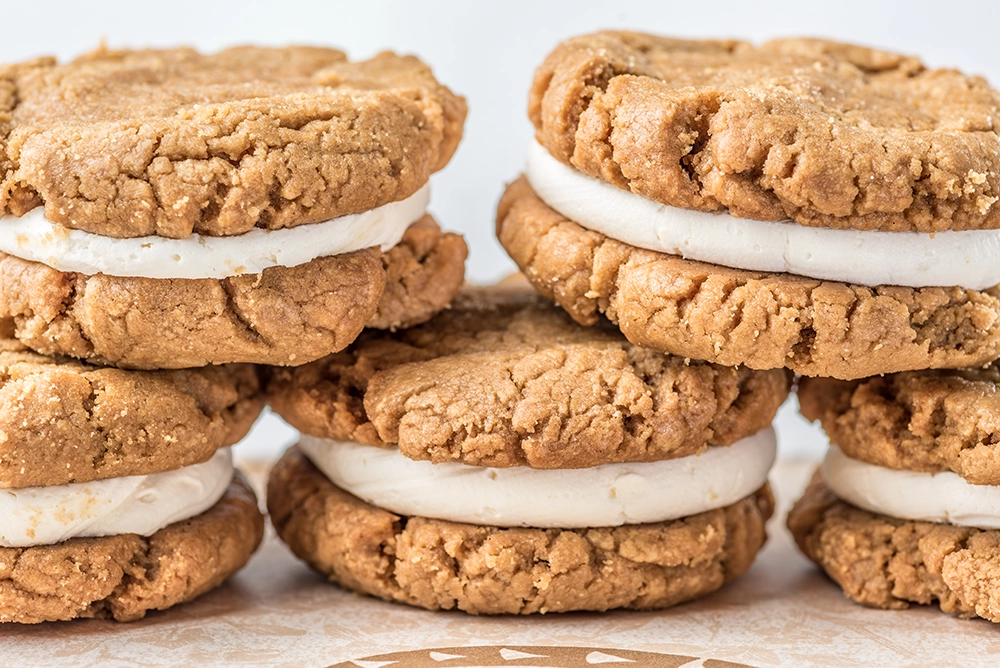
[503,378]
[174,142]
[827,134]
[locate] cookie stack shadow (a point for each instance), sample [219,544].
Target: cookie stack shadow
[214,213]
[803,204]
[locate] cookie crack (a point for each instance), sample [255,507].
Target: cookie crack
[239,318]
[90,403]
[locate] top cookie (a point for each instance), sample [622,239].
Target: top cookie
[504,378]
[827,134]
[173,142]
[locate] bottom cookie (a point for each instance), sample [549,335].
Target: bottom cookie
[442,565]
[884,562]
[124,576]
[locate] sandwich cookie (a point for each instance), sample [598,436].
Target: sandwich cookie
[502,459]
[820,206]
[906,506]
[117,488]
[255,205]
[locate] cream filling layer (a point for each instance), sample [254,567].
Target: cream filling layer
[141,504]
[970,259]
[32,237]
[608,495]
[943,497]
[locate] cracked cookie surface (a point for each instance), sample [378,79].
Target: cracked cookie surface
[123,577]
[731,316]
[945,420]
[485,570]
[824,133]
[503,378]
[64,421]
[890,563]
[284,315]
[173,142]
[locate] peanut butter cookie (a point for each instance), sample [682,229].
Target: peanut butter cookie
[122,577]
[161,152]
[826,134]
[442,565]
[890,563]
[917,421]
[737,317]
[63,421]
[173,142]
[503,379]
[284,315]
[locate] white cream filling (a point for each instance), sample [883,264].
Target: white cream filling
[608,495]
[970,259]
[141,504]
[32,237]
[911,495]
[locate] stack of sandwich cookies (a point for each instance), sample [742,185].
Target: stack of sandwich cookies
[118,490]
[168,211]
[906,506]
[255,205]
[819,206]
[503,459]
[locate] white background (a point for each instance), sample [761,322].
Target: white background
[487,51]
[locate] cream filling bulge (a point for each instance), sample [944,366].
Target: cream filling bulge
[141,504]
[32,237]
[968,259]
[608,495]
[943,497]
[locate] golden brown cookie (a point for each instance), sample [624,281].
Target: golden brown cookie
[731,316]
[284,315]
[124,576]
[64,421]
[173,142]
[503,378]
[423,272]
[485,570]
[889,563]
[917,421]
[827,134]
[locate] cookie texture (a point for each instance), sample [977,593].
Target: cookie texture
[63,421]
[122,577]
[919,421]
[174,142]
[423,273]
[824,133]
[284,315]
[731,316]
[485,570]
[889,563]
[503,378]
